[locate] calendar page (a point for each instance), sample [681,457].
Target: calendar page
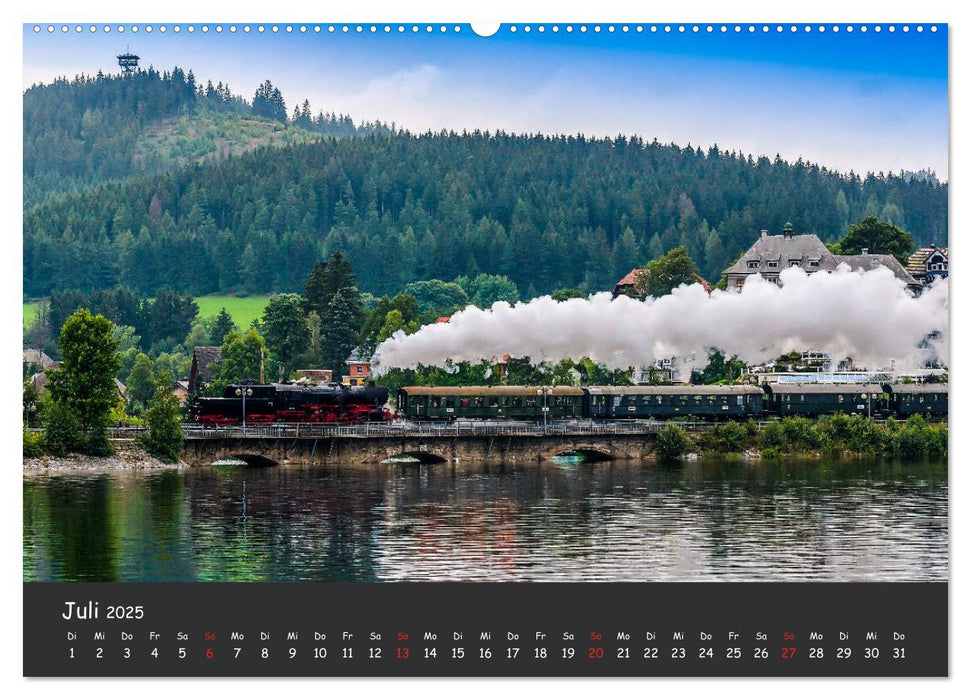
[523,349]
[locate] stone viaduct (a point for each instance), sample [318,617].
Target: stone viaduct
[511,449]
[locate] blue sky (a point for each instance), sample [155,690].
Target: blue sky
[861,101]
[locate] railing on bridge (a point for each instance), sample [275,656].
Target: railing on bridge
[422,429]
[427,429]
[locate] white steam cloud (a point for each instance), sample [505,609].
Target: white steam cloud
[869,316]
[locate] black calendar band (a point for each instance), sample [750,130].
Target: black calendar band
[486,629]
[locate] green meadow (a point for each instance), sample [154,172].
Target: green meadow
[242,309]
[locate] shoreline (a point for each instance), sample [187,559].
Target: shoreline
[126,458]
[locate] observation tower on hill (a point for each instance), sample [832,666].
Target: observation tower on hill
[128,62]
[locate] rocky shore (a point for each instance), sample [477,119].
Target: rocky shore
[127,458]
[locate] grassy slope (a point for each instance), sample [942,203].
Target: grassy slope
[208,135]
[243,310]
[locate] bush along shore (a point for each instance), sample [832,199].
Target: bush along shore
[835,436]
[125,456]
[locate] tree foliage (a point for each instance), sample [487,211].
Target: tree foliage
[671,444]
[164,421]
[285,329]
[221,325]
[663,274]
[141,382]
[877,237]
[545,212]
[240,358]
[85,380]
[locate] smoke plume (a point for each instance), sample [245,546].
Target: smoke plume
[869,316]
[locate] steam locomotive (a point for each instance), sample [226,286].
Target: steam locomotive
[291,403]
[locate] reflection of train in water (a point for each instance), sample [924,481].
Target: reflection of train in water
[291,403]
[335,403]
[706,402]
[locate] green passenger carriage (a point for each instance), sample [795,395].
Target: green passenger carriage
[673,401]
[925,399]
[823,399]
[517,402]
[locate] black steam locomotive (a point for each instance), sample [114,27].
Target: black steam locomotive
[291,403]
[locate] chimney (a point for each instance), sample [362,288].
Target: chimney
[865,251]
[763,233]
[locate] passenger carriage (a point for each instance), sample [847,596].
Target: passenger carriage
[925,399]
[707,402]
[823,399]
[482,402]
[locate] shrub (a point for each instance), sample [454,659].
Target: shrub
[96,442]
[164,420]
[801,434]
[773,437]
[731,436]
[671,444]
[62,435]
[33,444]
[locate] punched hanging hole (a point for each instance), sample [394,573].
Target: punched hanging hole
[485,29]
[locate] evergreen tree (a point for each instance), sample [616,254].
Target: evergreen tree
[325,280]
[268,102]
[222,325]
[341,323]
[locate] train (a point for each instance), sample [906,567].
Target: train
[335,403]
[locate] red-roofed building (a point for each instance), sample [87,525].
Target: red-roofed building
[628,282]
[443,319]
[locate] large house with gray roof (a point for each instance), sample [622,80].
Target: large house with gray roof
[770,255]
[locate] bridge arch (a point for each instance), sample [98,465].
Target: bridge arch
[414,457]
[249,459]
[583,454]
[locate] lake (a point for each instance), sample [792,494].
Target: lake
[710,520]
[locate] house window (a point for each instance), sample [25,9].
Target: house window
[360,368]
[772,263]
[794,263]
[753,264]
[813,263]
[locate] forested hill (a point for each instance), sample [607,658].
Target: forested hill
[547,212]
[96,128]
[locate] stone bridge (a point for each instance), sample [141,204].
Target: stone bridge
[373,449]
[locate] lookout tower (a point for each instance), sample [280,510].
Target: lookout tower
[128,62]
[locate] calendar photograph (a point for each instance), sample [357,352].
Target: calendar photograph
[499,305]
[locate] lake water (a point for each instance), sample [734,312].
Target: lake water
[713,520]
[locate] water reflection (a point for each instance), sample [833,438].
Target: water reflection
[709,520]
